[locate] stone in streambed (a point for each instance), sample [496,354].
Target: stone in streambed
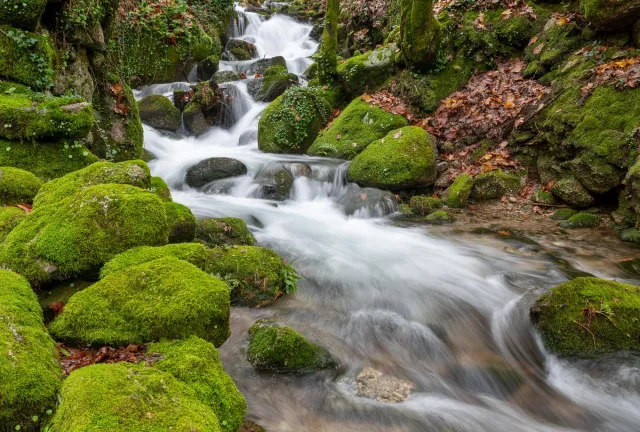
[275,81]
[260,66]
[225,76]
[159,112]
[212,169]
[423,205]
[224,232]
[275,182]
[582,220]
[493,185]
[457,195]
[374,384]
[439,217]
[160,188]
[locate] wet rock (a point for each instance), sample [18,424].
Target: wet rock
[375,202]
[248,137]
[209,107]
[630,235]
[224,232]
[249,426]
[225,76]
[299,169]
[212,169]
[439,217]
[563,214]
[260,66]
[572,192]
[493,185]
[631,266]
[582,220]
[422,205]
[207,68]
[239,50]
[157,111]
[275,182]
[383,388]
[275,81]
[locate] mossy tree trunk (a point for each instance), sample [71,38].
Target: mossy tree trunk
[328,62]
[420,33]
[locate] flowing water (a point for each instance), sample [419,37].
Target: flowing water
[444,310]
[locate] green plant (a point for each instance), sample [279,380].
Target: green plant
[290,278]
[23,41]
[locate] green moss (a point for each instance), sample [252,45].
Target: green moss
[355,128]
[291,122]
[494,184]
[129,397]
[46,160]
[159,187]
[282,349]
[253,273]
[18,186]
[542,197]
[24,14]
[165,298]
[159,112]
[80,233]
[420,32]
[10,217]
[459,191]
[572,192]
[405,158]
[368,71]
[560,317]
[328,52]
[134,173]
[563,214]
[582,220]
[438,218]
[182,223]
[224,232]
[26,57]
[196,363]
[405,210]
[422,205]
[515,31]
[29,362]
[552,47]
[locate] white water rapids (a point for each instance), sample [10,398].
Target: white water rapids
[448,314]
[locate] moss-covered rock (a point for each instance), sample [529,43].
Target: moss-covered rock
[542,197]
[225,76]
[589,315]
[159,112]
[596,175]
[494,184]
[134,173]
[80,233]
[26,57]
[572,192]
[582,220]
[405,158]
[275,82]
[422,205]
[261,66]
[26,117]
[130,398]
[611,15]
[212,169]
[10,217]
[182,223]
[165,298]
[254,274]
[563,214]
[193,253]
[224,232]
[282,349]
[23,14]
[46,160]
[439,217]
[420,33]
[368,71]
[285,130]
[159,187]
[275,182]
[196,363]
[18,186]
[355,128]
[31,374]
[458,193]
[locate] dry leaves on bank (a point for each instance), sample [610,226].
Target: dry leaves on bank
[510,8]
[621,73]
[73,358]
[387,101]
[464,163]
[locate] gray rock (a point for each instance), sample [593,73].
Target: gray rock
[275,182]
[248,137]
[225,76]
[260,66]
[213,169]
[159,112]
[572,192]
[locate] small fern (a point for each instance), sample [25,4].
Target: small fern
[290,278]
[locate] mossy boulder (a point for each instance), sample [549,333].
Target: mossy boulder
[457,195]
[589,316]
[494,184]
[368,71]
[422,205]
[596,175]
[31,373]
[255,274]
[275,81]
[420,33]
[611,15]
[582,220]
[356,127]
[44,159]
[291,123]
[193,253]
[571,191]
[166,298]
[439,217]
[563,214]
[26,57]
[182,223]
[28,117]
[18,186]
[134,173]
[23,14]
[405,158]
[542,197]
[159,112]
[159,187]
[282,349]
[10,217]
[212,169]
[224,232]
[78,234]
[225,76]
[260,66]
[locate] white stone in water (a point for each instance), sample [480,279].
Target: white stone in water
[383,388]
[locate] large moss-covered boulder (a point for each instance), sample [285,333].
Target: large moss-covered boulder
[28,117]
[78,234]
[44,159]
[22,14]
[130,398]
[134,173]
[458,193]
[368,71]
[212,169]
[588,316]
[18,49]
[275,81]
[571,191]
[31,374]
[224,232]
[282,349]
[292,122]
[355,128]
[10,217]
[182,223]
[420,33]
[611,15]
[196,363]
[159,112]
[494,184]
[166,298]
[596,175]
[193,253]
[18,186]
[255,274]
[405,158]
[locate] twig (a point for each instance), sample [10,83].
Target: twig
[587,329]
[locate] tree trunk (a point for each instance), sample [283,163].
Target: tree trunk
[328,62]
[420,33]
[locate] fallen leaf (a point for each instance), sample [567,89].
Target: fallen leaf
[397,134]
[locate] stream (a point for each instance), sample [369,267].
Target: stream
[442,308]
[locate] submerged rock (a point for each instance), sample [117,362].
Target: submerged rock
[224,232]
[275,182]
[439,217]
[282,349]
[374,384]
[17,186]
[157,111]
[212,169]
